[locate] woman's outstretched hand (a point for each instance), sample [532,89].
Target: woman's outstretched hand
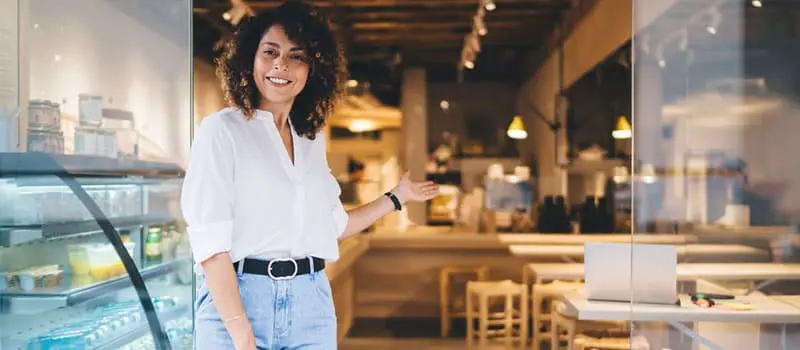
[409,191]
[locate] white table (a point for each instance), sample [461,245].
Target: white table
[767,310]
[572,253]
[685,271]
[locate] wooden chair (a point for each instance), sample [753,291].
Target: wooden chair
[542,296]
[478,303]
[584,342]
[562,320]
[447,312]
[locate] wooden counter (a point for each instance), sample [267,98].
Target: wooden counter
[342,277]
[491,241]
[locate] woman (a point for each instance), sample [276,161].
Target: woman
[261,205]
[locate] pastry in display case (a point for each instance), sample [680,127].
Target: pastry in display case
[91,254]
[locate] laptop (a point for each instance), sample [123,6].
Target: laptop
[638,273]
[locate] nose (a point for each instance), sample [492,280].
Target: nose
[280,66]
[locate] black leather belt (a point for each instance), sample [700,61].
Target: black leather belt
[281,269]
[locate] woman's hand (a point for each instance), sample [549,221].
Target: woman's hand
[242,334]
[408,191]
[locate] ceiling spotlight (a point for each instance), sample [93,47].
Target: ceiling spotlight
[352,83]
[226,16]
[445,105]
[480,25]
[757,3]
[469,64]
[489,5]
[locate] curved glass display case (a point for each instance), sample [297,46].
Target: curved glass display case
[92,257]
[95,118]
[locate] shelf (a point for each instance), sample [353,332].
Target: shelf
[38,164]
[39,301]
[14,235]
[143,330]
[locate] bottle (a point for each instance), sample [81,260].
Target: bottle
[152,245]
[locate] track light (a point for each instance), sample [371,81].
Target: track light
[757,3]
[479,24]
[489,5]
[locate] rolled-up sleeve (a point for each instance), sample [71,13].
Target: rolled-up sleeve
[340,215]
[207,194]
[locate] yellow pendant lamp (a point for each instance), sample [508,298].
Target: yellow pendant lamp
[516,130]
[623,130]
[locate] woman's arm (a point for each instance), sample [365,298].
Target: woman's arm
[207,205]
[224,288]
[358,219]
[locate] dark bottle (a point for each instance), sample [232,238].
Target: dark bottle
[545,221]
[589,216]
[562,223]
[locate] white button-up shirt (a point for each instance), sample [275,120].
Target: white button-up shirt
[243,195]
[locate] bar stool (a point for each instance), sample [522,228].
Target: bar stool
[542,296]
[480,293]
[562,319]
[447,312]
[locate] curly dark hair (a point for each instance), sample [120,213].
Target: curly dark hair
[305,26]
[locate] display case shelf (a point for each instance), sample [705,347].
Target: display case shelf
[37,163]
[37,301]
[21,234]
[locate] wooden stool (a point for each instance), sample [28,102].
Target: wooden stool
[480,292]
[542,296]
[446,312]
[561,319]
[583,342]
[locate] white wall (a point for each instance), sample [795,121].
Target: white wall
[91,46]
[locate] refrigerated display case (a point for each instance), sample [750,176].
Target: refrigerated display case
[92,255]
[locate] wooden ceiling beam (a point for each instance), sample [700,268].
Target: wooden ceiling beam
[364,4]
[448,15]
[411,26]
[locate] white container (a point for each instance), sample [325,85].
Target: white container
[90,109]
[85,141]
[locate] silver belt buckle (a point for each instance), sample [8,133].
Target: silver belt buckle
[269,269]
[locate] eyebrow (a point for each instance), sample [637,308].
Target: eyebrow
[275,45]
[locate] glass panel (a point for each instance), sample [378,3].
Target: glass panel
[715,110]
[95,118]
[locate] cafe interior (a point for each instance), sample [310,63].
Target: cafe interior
[560,132]
[614,174]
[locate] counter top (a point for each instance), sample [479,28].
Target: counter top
[440,239]
[350,250]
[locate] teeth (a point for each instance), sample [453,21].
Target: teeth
[278,80]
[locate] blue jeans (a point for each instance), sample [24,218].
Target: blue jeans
[285,314]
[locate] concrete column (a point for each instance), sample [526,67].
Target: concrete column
[648,103]
[414,147]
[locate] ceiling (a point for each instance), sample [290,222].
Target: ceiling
[384,36]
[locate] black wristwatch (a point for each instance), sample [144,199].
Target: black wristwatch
[397,205]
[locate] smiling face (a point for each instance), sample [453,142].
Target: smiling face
[280,68]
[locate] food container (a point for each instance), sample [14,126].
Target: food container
[85,141]
[44,114]
[49,276]
[90,110]
[107,143]
[8,280]
[45,140]
[78,259]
